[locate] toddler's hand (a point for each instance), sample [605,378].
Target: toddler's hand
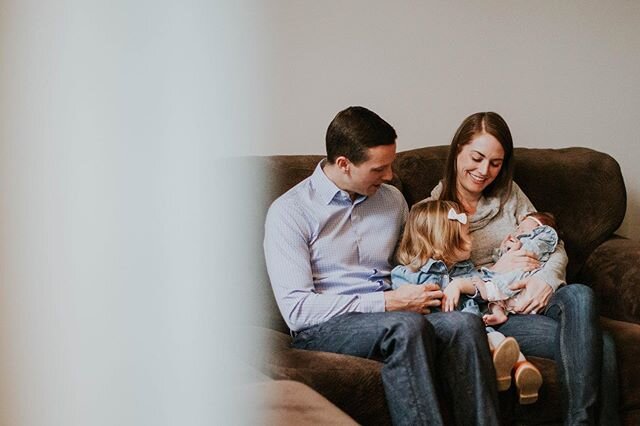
[450,297]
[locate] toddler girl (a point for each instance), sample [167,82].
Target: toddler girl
[435,248]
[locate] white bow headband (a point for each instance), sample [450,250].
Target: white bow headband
[460,217]
[535,219]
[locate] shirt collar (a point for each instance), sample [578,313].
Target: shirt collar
[325,188]
[438,266]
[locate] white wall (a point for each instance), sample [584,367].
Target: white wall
[561,73]
[121,280]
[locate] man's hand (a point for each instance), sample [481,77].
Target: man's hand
[451,297]
[413,298]
[536,296]
[516,260]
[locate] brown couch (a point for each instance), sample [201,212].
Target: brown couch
[586,192]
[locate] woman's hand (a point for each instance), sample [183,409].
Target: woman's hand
[516,260]
[535,298]
[451,297]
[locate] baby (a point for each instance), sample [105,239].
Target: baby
[536,233]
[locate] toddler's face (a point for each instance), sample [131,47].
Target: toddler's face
[464,252]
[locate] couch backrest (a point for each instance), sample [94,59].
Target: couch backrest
[582,187]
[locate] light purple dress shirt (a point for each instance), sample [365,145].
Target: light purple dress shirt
[327,255]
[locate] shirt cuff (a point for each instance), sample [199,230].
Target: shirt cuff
[372,302]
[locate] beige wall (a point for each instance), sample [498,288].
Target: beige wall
[561,73]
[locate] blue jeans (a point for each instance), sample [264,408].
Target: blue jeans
[415,350]
[568,331]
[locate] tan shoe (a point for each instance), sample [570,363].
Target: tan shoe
[505,356]
[528,381]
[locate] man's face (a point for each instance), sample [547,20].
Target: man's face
[365,178]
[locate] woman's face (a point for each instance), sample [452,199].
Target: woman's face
[478,164]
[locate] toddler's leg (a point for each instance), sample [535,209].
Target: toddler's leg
[505,352]
[528,380]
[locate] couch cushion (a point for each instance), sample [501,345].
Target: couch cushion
[285,402]
[627,338]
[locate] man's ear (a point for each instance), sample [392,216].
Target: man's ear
[343,164]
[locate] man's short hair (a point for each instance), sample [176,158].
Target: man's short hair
[355,130]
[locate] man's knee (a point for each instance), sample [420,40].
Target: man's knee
[465,321]
[410,324]
[459,326]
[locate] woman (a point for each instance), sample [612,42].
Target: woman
[479,176]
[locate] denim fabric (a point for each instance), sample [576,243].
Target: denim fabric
[416,349]
[568,331]
[436,272]
[609,414]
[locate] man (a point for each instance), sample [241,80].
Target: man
[329,244]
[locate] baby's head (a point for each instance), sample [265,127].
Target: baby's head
[434,229]
[533,220]
[528,223]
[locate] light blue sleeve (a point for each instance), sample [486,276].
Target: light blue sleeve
[543,242]
[401,275]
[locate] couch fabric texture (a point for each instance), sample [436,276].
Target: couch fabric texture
[583,188]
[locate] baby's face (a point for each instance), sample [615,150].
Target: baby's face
[526,226]
[511,242]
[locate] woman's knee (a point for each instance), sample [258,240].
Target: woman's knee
[575,303]
[575,294]
[573,299]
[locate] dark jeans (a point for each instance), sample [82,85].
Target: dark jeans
[416,349]
[568,331]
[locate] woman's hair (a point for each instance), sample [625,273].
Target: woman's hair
[429,233]
[477,124]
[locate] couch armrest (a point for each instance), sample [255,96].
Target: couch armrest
[353,384]
[285,402]
[613,272]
